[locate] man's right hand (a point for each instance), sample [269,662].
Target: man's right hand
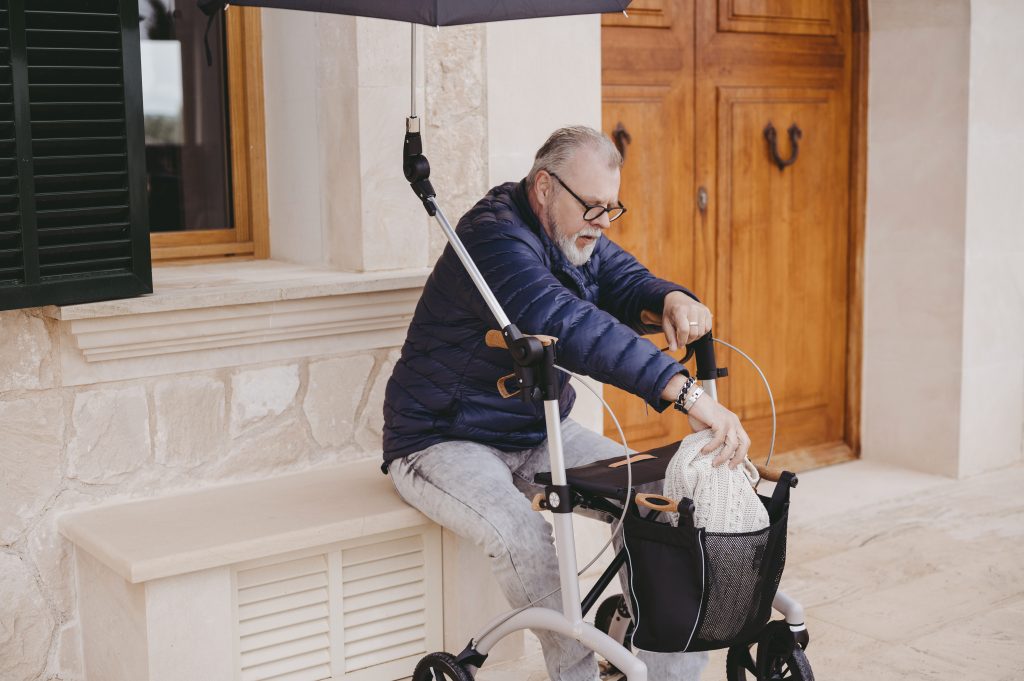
[727,429]
[725,425]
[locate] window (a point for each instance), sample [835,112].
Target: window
[205,150]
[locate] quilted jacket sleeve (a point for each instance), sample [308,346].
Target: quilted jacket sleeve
[627,287]
[591,341]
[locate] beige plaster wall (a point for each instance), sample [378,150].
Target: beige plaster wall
[992,402]
[337,95]
[944,256]
[914,259]
[542,74]
[290,84]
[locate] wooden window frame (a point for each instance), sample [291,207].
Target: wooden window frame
[249,238]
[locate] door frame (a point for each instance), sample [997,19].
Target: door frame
[858,209]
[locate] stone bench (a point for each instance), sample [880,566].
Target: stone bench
[325,574]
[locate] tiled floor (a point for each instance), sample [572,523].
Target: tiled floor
[904,576]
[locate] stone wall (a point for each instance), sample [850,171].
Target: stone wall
[455,133]
[65,448]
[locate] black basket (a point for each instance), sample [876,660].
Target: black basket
[694,590]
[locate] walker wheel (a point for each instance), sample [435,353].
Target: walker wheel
[440,667]
[778,658]
[611,608]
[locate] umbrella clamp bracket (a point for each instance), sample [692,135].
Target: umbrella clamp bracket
[416,166]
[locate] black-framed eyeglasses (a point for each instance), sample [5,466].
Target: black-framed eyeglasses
[593,211]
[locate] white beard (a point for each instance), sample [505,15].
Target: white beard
[567,243]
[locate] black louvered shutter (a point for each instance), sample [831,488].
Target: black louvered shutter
[73,224]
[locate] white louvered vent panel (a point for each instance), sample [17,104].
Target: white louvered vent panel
[284,621]
[384,602]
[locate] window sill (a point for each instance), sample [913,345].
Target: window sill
[228,314]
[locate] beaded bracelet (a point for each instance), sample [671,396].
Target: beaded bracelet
[681,397]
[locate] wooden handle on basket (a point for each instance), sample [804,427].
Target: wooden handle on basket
[495,339]
[769,474]
[657,502]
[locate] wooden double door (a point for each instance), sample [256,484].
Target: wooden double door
[738,122]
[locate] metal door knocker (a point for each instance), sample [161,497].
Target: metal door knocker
[621,137]
[794,136]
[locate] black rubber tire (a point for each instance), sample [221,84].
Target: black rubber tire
[606,612]
[440,667]
[740,661]
[799,663]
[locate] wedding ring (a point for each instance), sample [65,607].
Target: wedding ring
[694,324]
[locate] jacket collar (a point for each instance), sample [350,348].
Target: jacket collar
[583,278]
[521,198]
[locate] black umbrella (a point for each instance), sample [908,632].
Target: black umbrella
[436,12]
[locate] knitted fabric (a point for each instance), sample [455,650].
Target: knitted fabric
[724,499]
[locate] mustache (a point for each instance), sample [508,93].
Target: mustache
[589,231]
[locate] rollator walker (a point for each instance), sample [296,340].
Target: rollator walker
[608,487]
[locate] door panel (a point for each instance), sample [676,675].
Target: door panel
[800,17]
[782,297]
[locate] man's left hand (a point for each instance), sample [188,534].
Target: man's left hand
[683,320]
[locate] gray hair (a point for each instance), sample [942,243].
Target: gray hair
[563,143]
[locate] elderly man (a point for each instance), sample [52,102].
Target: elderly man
[464,456]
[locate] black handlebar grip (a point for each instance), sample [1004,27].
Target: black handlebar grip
[704,350]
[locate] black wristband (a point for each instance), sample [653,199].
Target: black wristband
[681,397]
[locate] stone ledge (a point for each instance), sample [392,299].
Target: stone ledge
[220,315]
[218,526]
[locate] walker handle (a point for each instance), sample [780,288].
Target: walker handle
[703,348]
[534,359]
[772,474]
[495,339]
[657,502]
[650,318]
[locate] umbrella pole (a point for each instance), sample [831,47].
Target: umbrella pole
[412,75]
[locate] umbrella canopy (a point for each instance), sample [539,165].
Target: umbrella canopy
[435,12]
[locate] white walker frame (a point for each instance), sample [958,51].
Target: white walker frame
[570,621]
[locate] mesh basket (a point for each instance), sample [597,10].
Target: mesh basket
[695,590]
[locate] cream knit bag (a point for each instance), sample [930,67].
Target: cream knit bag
[724,499]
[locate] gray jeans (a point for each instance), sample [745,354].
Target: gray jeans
[483,495]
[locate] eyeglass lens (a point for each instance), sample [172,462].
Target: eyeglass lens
[594,212]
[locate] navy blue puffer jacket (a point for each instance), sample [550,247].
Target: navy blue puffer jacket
[444,385]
